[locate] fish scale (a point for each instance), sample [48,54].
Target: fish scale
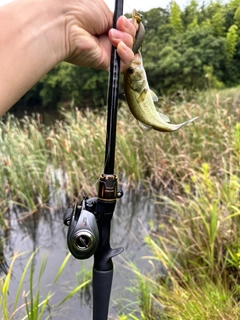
[139,97]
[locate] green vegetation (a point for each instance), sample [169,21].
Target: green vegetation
[199,250]
[35,159]
[33,306]
[195,171]
[192,48]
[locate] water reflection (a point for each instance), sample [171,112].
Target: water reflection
[45,230]
[3,263]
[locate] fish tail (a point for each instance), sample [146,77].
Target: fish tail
[178,126]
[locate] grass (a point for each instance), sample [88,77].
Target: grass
[197,246]
[195,171]
[30,152]
[32,306]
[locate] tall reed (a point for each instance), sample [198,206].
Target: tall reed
[197,168]
[196,251]
[31,152]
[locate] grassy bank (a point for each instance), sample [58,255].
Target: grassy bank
[198,249]
[195,171]
[30,152]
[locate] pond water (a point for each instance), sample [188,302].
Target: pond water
[45,230]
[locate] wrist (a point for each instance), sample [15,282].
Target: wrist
[40,27]
[48,22]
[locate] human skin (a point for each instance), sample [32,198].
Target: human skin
[36,35]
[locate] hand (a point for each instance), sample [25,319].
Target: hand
[89,35]
[46,32]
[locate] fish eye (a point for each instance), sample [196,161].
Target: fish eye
[130,70]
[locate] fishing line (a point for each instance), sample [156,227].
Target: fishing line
[128,6]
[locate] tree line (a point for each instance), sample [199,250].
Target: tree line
[195,48]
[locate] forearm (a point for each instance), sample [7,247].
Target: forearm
[31,36]
[35,35]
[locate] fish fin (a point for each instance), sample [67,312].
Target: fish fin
[154,96]
[142,96]
[144,126]
[164,117]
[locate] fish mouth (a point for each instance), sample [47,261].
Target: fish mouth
[136,63]
[137,58]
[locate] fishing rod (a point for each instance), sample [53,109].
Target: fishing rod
[89,222]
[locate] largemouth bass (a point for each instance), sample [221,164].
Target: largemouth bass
[137,18]
[140,98]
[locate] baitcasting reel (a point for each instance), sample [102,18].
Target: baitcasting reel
[83,234]
[90,221]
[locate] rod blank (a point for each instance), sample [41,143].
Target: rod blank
[113,86]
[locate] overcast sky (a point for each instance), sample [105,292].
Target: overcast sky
[129,5]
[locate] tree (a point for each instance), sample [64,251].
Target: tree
[218,22]
[190,14]
[153,18]
[237,17]
[194,24]
[180,48]
[175,17]
[234,3]
[231,42]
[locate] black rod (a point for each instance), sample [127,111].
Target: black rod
[113,84]
[107,193]
[90,221]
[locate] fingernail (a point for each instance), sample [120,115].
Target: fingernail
[123,46]
[116,34]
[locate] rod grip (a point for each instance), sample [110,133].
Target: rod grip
[102,283]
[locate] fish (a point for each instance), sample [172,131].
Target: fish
[140,97]
[137,44]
